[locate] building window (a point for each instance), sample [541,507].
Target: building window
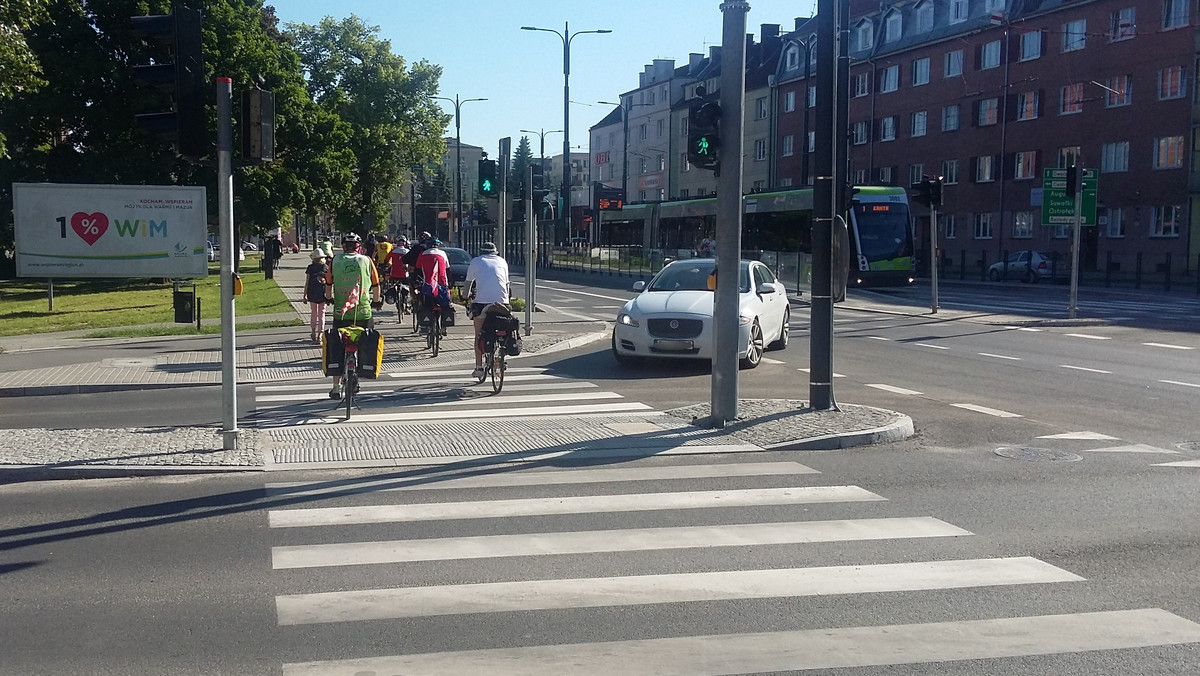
[892,27]
[684,192]
[860,177]
[642,195]
[1122,25]
[950,117]
[862,84]
[1168,152]
[887,128]
[1025,165]
[1071,100]
[785,182]
[759,185]
[916,172]
[958,11]
[989,55]
[993,5]
[789,143]
[1170,83]
[812,51]
[1023,225]
[889,79]
[760,108]
[1166,221]
[983,226]
[918,123]
[1031,45]
[812,141]
[953,63]
[920,72]
[950,172]
[1027,106]
[1074,35]
[641,165]
[612,139]
[1116,222]
[760,150]
[662,162]
[789,102]
[1114,157]
[950,226]
[683,126]
[885,175]
[812,97]
[985,169]
[1175,14]
[683,162]
[988,112]
[1067,156]
[793,57]
[924,16]
[1118,91]
[642,131]
[860,133]
[1059,231]
[866,35]
[661,128]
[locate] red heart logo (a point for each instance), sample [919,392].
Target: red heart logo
[89,227]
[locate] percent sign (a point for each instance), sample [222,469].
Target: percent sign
[89,227]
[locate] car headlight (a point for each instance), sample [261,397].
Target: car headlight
[742,321]
[627,320]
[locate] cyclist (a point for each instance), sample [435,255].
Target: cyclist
[397,272]
[349,274]
[432,265]
[382,248]
[489,272]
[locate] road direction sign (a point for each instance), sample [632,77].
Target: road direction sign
[1057,208]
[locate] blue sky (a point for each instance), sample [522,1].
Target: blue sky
[484,53]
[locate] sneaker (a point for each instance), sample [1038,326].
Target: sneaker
[336,392]
[477,374]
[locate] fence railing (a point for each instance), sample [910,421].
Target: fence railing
[1136,269]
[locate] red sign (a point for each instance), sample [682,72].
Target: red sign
[602,158]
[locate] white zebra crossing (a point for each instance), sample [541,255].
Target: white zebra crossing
[709,654]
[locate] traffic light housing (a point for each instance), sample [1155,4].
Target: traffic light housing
[704,135]
[258,126]
[1073,176]
[182,78]
[928,192]
[488,186]
[935,192]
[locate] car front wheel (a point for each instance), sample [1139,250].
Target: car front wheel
[782,342]
[994,275]
[754,349]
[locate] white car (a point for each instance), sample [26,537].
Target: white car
[672,317]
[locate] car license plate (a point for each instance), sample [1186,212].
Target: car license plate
[674,345]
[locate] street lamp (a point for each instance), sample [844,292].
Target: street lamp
[566,36]
[542,150]
[457,156]
[626,108]
[807,83]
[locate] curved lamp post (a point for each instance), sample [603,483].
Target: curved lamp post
[457,157]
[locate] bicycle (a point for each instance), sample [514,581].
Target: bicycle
[433,339]
[494,346]
[397,294]
[349,381]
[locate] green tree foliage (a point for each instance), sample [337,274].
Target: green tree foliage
[521,159]
[393,122]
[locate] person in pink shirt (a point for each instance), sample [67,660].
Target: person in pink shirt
[433,267]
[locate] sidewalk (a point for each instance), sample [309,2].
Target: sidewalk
[288,355]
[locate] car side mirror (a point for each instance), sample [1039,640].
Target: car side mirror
[639,285]
[766,287]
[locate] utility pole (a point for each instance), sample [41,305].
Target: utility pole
[229,246]
[502,228]
[820,383]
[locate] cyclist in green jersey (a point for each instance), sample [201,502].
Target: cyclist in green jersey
[353,284]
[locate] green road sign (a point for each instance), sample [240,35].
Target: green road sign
[1057,208]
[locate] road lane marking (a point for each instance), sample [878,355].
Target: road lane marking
[806,649]
[1179,382]
[1084,368]
[625,408]
[1023,328]
[1179,463]
[1169,346]
[398,394]
[998,356]
[836,375]
[1132,448]
[578,504]
[892,388]
[877,338]
[556,289]
[768,360]
[598,541]
[989,411]
[1088,436]
[576,315]
[936,347]
[601,592]
[1088,336]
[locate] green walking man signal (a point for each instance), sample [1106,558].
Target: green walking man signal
[487,178]
[704,136]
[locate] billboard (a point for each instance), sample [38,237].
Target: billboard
[68,230]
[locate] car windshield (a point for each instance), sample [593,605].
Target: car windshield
[457,256]
[692,277]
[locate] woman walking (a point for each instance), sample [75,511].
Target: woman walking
[314,293]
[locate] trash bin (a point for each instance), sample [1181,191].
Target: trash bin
[185,307]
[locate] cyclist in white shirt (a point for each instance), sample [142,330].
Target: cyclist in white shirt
[489,272]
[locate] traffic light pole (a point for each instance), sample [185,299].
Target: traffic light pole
[1074,253]
[933,260]
[502,212]
[724,405]
[530,251]
[229,248]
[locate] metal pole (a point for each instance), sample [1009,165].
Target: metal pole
[502,229]
[625,153]
[807,83]
[229,430]
[1074,252]
[933,255]
[564,205]
[729,215]
[820,384]
[530,251]
[456,223]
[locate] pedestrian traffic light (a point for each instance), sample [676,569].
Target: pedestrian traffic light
[920,191]
[704,136]
[258,126]
[180,75]
[488,186]
[935,192]
[1073,174]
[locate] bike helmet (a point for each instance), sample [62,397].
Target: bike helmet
[424,236]
[434,242]
[351,241]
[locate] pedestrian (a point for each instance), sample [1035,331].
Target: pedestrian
[326,247]
[272,252]
[489,272]
[314,293]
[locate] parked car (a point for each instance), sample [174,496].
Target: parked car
[211,250]
[460,260]
[249,246]
[672,317]
[1030,267]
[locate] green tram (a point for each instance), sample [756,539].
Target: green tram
[779,223]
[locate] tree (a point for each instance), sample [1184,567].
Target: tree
[521,159]
[391,116]
[20,69]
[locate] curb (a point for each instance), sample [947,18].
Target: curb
[10,474]
[897,431]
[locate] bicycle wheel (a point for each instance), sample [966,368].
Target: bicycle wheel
[351,385]
[496,366]
[435,332]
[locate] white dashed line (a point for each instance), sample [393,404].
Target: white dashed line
[1169,346]
[1084,368]
[1089,336]
[1088,436]
[892,388]
[767,360]
[1176,382]
[989,411]
[998,356]
[836,375]
[1022,328]
[878,338]
[1180,463]
[936,347]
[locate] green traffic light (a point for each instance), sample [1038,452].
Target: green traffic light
[702,146]
[487,185]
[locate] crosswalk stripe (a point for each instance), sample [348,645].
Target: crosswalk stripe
[1169,346]
[510,478]
[892,388]
[989,411]
[398,395]
[716,655]
[495,597]
[580,504]
[434,377]
[593,542]
[1089,436]
[438,376]
[629,408]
